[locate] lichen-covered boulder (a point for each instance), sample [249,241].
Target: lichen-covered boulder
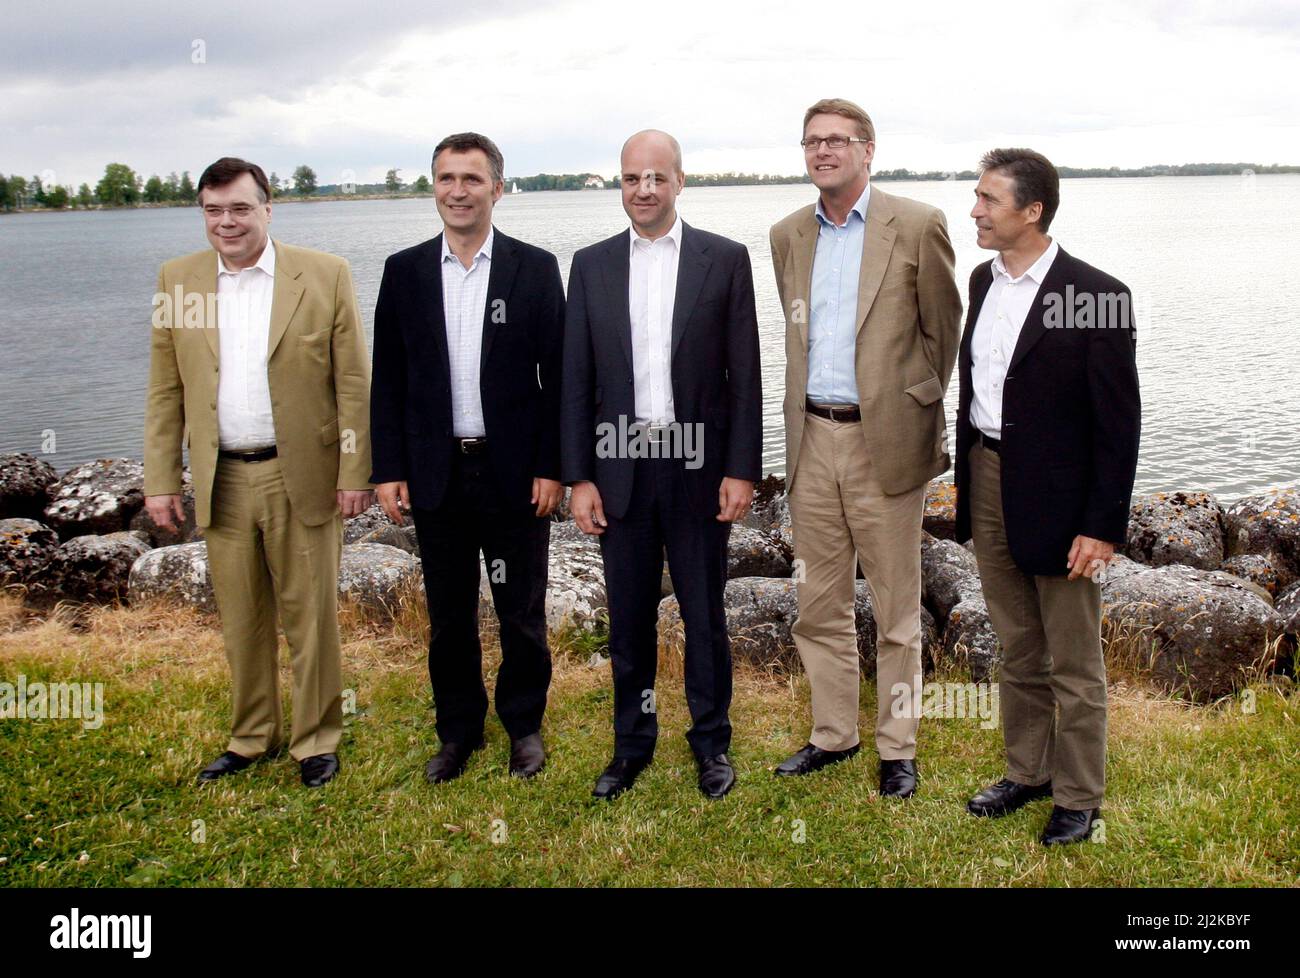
[97,497]
[1288,608]
[26,546]
[1204,633]
[575,588]
[753,553]
[92,568]
[951,590]
[1176,528]
[392,535]
[377,576]
[940,516]
[24,486]
[177,574]
[365,523]
[1267,571]
[761,611]
[1268,523]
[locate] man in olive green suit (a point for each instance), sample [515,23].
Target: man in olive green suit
[259,366]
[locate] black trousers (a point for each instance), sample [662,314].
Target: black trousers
[514,543]
[659,518]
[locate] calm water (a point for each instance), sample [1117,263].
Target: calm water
[1212,262]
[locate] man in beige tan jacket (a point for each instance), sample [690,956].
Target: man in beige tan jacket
[873,320]
[259,366]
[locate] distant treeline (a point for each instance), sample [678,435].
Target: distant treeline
[123,187]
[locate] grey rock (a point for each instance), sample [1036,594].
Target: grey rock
[98,497]
[1268,523]
[760,614]
[1287,606]
[575,589]
[187,531]
[92,568]
[940,515]
[176,574]
[1266,571]
[24,485]
[356,527]
[392,535]
[753,553]
[1201,632]
[1176,528]
[951,590]
[26,546]
[378,576]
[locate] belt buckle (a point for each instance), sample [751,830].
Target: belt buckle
[656,434]
[469,445]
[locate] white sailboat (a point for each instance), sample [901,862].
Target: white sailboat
[514,188]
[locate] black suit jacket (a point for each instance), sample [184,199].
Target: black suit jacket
[1071,416]
[715,366]
[410,395]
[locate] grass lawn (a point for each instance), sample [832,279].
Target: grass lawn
[1197,795]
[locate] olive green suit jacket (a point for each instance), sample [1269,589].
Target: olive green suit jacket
[909,329]
[317,368]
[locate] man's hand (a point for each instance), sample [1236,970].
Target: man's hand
[734,497]
[354,502]
[588,511]
[395,500]
[547,494]
[162,508]
[1084,554]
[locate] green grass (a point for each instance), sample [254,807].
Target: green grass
[1197,795]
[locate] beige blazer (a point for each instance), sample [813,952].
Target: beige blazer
[317,366]
[909,329]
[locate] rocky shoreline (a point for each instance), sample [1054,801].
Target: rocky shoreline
[1207,595]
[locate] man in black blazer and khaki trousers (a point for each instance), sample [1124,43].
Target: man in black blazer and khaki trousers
[1047,443]
[662,442]
[469,330]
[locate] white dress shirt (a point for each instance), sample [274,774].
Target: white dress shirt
[464,302]
[244,330]
[997,330]
[651,296]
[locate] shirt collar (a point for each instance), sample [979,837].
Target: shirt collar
[266,263]
[1037,271]
[674,235]
[484,251]
[859,208]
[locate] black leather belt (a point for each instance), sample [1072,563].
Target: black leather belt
[846,413]
[471,446]
[252,455]
[992,444]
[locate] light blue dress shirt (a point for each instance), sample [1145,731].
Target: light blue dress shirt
[833,318]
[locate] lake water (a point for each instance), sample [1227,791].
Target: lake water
[1212,263]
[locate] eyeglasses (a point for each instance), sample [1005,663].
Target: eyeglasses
[832,142]
[238,211]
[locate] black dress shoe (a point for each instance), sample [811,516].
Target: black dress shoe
[318,769]
[449,763]
[898,778]
[808,759]
[227,763]
[618,777]
[716,774]
[1005,797]
[1068,825]
[527,756]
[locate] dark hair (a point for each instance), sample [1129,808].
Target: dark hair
[227,170]
[1035,178]
[463,141]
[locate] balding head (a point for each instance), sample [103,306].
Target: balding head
[654,141]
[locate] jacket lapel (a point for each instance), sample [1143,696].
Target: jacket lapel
[286,294]
[429,273]
[692,269]
[803,248]
[201,281]
[877,243]
[616,271]
[501,276]
[1035,322]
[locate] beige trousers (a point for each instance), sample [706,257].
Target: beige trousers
[841,517]
[1052,684]
[259,555]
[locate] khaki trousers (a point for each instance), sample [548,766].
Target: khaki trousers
[1050,630]
[841,516]
[259,555]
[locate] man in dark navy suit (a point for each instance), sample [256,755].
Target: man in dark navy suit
[469,331]
[1047,444]
[662,442]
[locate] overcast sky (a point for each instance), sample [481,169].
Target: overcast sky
[365,86]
